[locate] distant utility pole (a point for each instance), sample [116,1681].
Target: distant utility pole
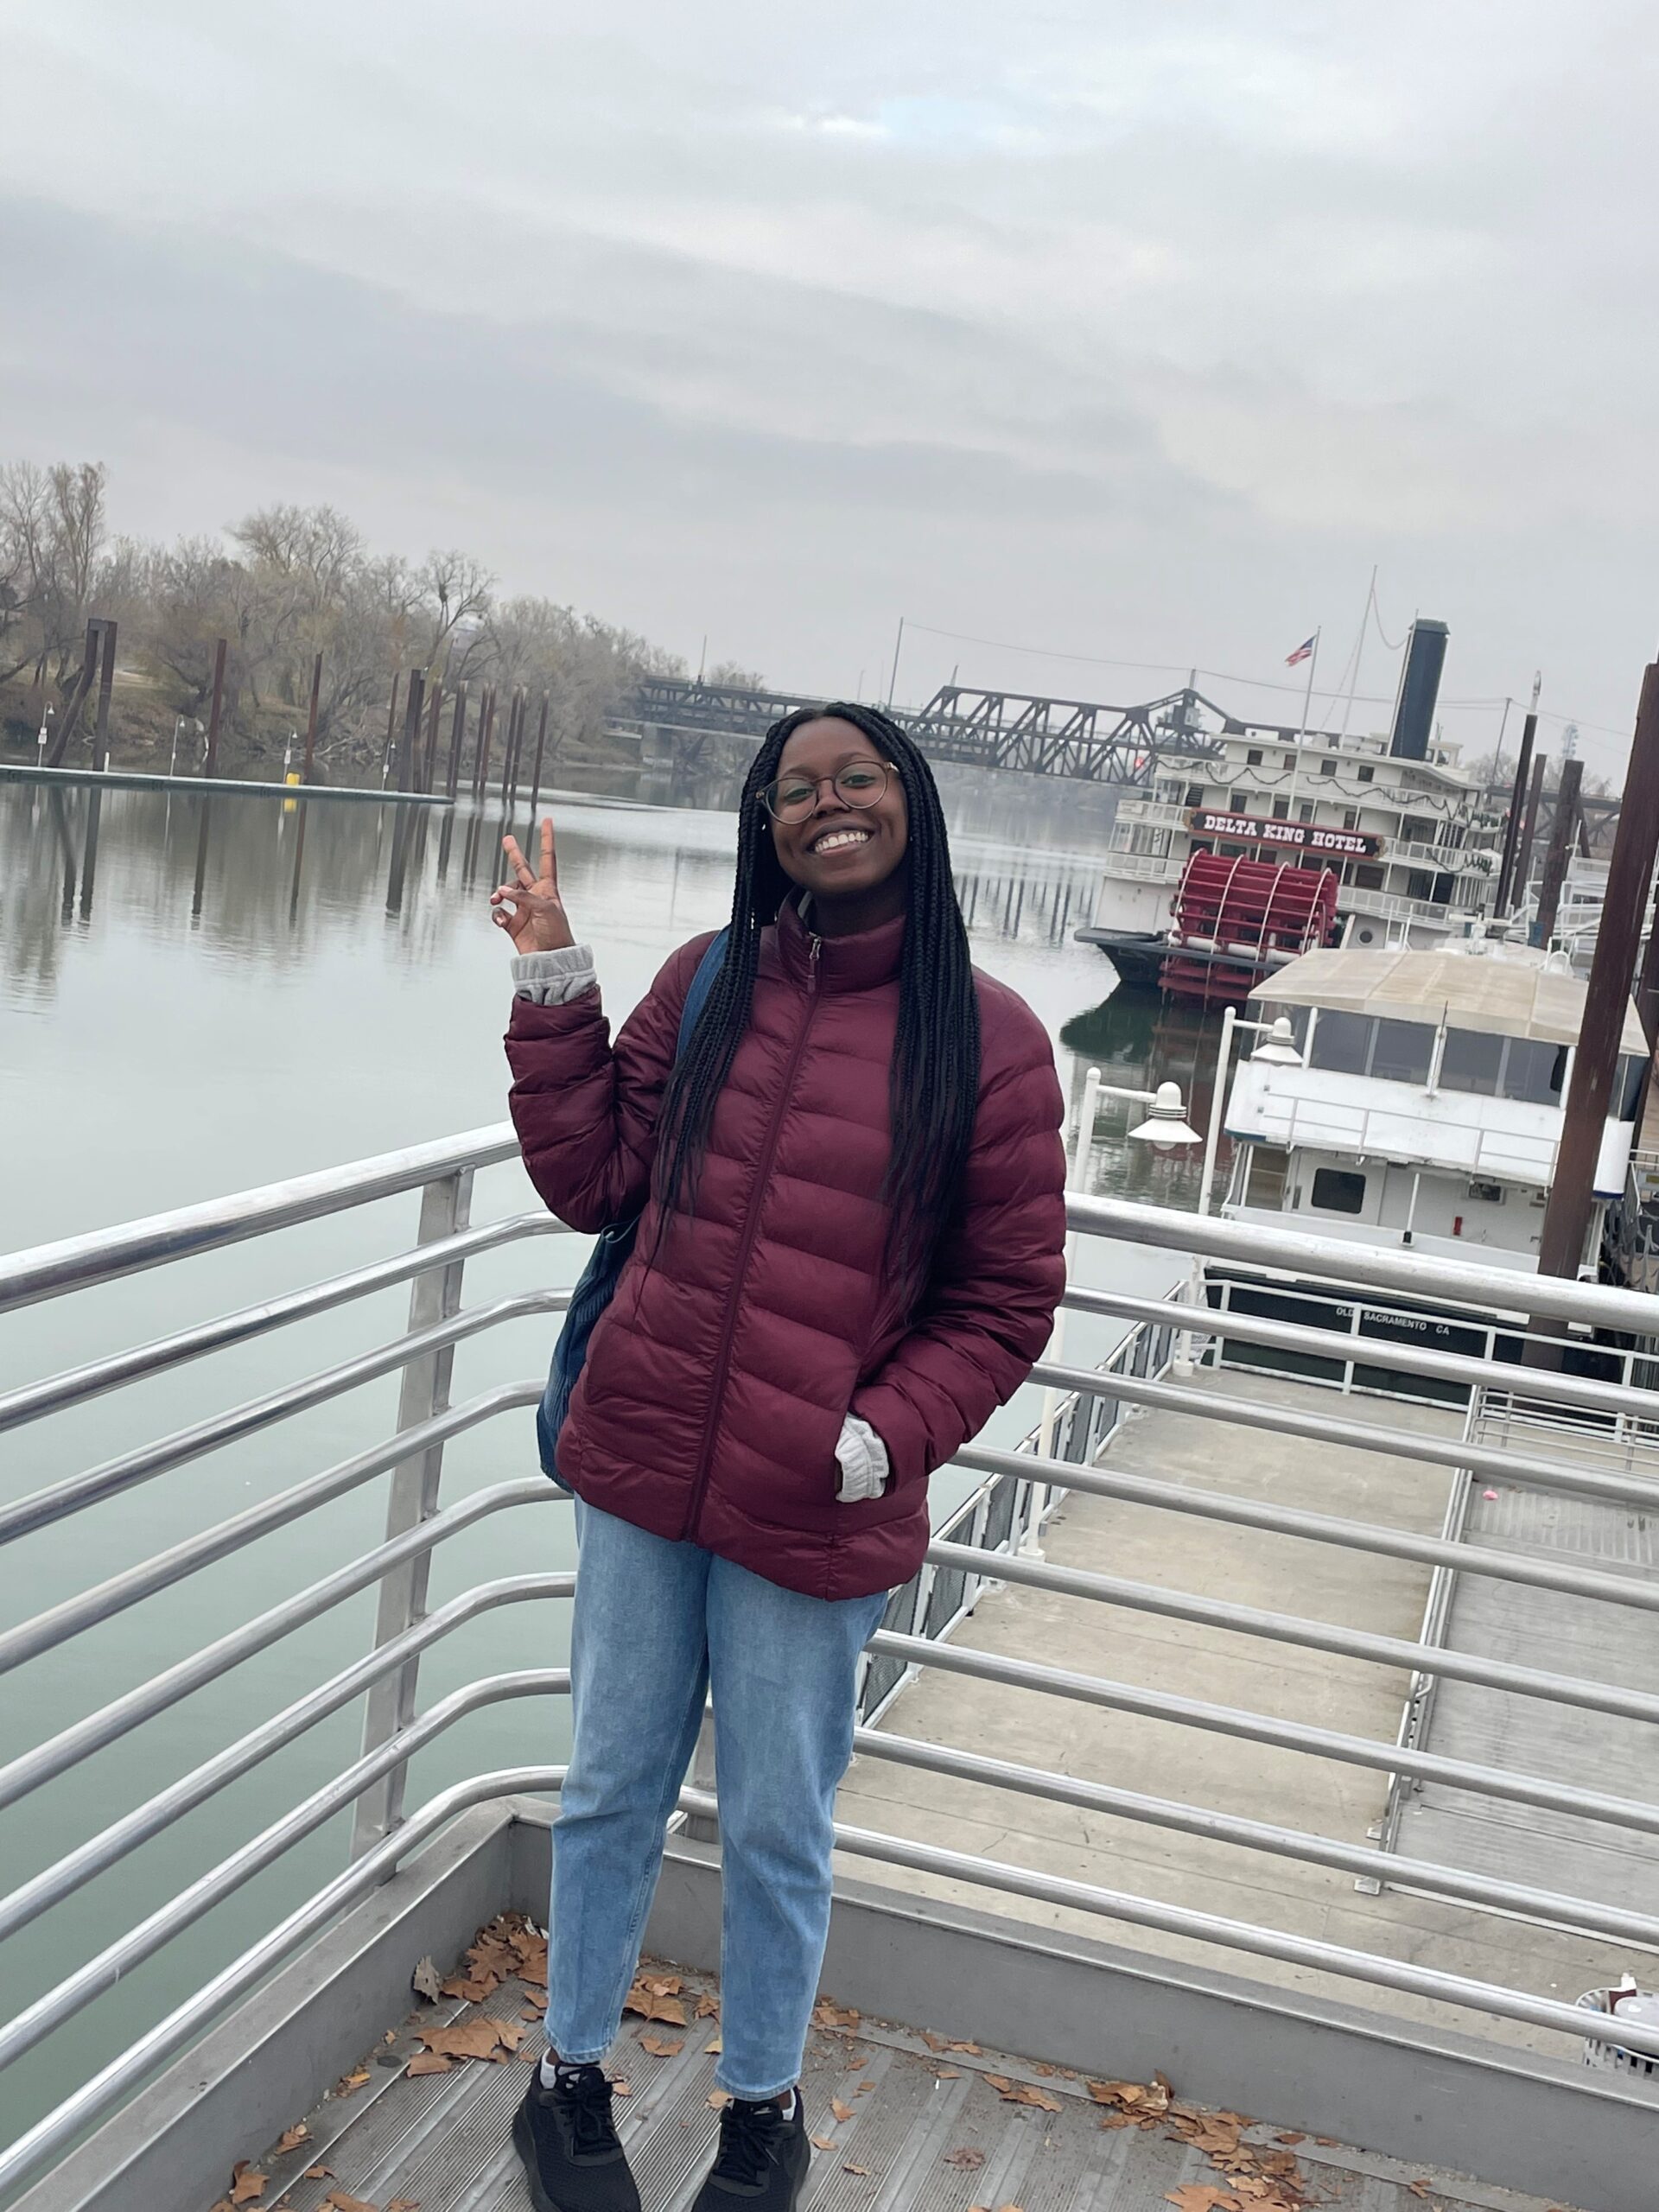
[898,647]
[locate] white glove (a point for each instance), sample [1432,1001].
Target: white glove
[862,1457]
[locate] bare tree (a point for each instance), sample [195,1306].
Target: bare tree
[51,543]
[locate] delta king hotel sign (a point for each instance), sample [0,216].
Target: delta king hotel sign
[1291,837]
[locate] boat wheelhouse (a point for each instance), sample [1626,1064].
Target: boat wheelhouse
[1428,1105]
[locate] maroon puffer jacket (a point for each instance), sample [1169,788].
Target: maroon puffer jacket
[717,1382]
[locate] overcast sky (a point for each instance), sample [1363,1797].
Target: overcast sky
[1136,329]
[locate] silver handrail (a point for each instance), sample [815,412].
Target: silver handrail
[988,1541]
[183,1232]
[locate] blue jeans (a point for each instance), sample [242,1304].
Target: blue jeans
[656,1626]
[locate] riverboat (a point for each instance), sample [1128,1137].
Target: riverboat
[1228,870]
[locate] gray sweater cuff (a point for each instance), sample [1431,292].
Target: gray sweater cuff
[554,978]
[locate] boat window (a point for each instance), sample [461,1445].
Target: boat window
[1195,795]
[1266,1169]
[1367,875]
[1253,758]
[1402,1051]
[1305,809]
[1239,801]
[1367,775]
[1327,767]
[1351,818]
[1470,1062]
[1290,760]
[1342,1042]
[1627,1088]
[1533,1071]
[1281,810]
[1337,1190]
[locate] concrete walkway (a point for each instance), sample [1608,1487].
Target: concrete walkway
[1285,1574]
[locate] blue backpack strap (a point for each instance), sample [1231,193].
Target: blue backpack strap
[701,983]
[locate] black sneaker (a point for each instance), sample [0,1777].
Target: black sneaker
[568,2142]
[763,2161]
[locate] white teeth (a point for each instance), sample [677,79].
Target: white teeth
[838,838]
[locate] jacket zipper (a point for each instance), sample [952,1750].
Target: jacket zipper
[751,1230]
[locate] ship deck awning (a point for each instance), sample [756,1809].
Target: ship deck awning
[1504,994]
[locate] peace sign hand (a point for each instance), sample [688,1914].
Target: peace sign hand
[529,908]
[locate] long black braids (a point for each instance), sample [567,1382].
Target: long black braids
[934,1082]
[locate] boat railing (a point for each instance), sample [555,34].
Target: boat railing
[995,1537]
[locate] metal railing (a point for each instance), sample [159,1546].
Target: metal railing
[991,1538]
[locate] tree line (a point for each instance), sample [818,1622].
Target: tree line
[283,585]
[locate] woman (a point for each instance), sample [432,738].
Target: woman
[850,1253]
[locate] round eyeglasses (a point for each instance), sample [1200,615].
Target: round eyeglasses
[860,784]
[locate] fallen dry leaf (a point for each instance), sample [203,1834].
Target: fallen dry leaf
[864,2089]
[841,2111]
[1419,2188]
[1022,2093]
[856,2170]
[426,1981]
[291,2138]
[823,2142]
[476,2038]
[969,2158]
[246,2185]
[1202,2196]
[1290,2136]
[431,2062]
[660,2047]
[947,2073]
[622,2089]
[714,2050]
[403,2204]
[343,2203]
[655,2004]
[720,2099]
[708,2008]
[318,2173]
[1326,2142]
[349,2084]
[828,2015]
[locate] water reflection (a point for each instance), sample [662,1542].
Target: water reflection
[256,860]
[280,886]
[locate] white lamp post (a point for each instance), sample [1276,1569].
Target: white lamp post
[1166,1127]
[1278,1049]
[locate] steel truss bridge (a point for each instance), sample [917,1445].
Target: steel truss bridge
[1083,738]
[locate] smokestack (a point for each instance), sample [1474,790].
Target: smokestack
[1419,686]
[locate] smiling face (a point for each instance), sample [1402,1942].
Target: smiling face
[847,855]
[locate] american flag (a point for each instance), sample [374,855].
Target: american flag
[1300,653]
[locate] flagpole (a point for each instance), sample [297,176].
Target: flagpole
[1308,709]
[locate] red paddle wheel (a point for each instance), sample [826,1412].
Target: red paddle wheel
[1235,919]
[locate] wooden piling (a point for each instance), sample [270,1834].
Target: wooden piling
[311,727]
[210,766]
[1566,1217]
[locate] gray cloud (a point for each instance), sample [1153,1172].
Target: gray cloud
[1143,330]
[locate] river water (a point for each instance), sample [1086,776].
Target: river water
[199,995]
